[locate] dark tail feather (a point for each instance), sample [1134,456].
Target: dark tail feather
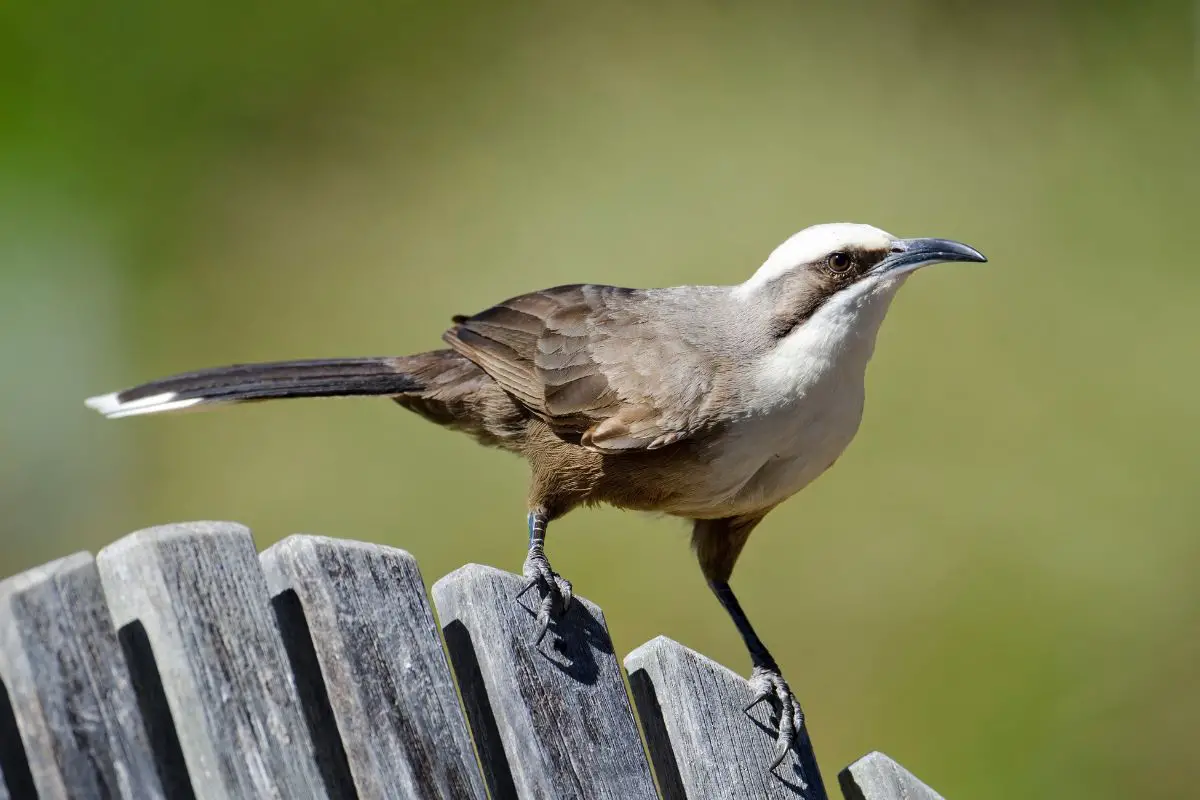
[240,383]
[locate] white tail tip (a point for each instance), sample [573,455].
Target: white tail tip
[112,407]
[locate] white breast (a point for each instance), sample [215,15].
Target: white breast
[802,407]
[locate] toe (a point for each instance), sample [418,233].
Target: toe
[758,698]
[768,684]
[781,751]
[565,591]
[762,686]
[532,583]
[544,617]
[761,694]
[787,732]
[786,718]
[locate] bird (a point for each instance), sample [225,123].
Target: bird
[713,404]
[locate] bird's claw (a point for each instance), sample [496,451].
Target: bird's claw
[768,684]
[556,592]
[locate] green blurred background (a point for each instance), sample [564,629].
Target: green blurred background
[996,585]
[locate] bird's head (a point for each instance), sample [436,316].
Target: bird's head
[842,270]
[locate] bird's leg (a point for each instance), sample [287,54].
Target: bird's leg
[766,681]
[554,589]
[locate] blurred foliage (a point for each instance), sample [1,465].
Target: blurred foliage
[996,585]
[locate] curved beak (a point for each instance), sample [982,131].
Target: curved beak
[911,254]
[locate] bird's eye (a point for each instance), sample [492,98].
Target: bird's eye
[839,262]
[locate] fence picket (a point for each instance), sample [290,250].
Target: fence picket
[877,777]
[69,693]
[194,607]
[361,611]
[703,744]
[551,720]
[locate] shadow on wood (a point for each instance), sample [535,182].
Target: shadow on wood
[156,714]
[314,697]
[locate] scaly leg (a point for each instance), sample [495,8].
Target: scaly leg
[718,543]
[766,680]
[554,589]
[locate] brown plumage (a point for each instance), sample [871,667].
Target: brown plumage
[571,378]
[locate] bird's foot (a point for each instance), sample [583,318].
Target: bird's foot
[768,684]
[554,589]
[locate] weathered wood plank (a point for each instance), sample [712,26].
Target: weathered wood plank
[559,710]
[361,611]
[701,741]
[195,612]
[69,691]
[877,777]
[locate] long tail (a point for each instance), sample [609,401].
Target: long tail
[241,383]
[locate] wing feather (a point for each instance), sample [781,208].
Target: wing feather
[597,363]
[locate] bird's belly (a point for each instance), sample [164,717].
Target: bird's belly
[761,462]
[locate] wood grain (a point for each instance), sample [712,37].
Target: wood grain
[361,611]
[196,607]
[69,693]
[702,743]
[551,721]
[877,777]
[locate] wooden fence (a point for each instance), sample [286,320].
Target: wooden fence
[180,663]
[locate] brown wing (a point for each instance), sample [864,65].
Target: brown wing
[595,362]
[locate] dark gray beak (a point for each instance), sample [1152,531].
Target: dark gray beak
[910,254]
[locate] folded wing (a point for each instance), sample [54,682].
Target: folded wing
[596,363]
